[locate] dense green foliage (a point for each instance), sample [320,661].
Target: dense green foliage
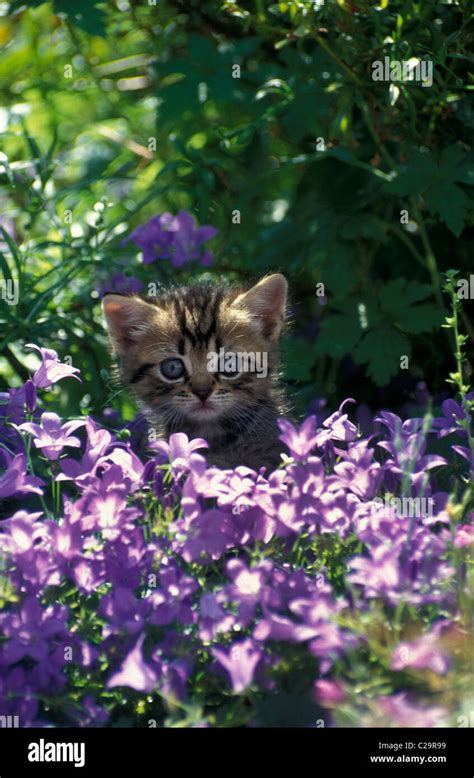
[114,112]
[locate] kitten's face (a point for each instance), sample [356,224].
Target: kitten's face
[168,348]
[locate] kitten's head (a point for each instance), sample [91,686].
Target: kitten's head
[176,351]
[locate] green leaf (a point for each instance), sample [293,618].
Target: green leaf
[456,165]
[299,359]
[295,118]
[397,295]
[380,349]
[178,98]
[13,250]
[397,300]
[339,335]
[435,179]
[7,274]
[451,204]
[415,176]
[338,270]
[84,14]
[421,318]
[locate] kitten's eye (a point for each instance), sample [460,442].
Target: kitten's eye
[226,372]
[172,369]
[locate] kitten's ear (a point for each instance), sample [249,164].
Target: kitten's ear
[266,301]
[126,318]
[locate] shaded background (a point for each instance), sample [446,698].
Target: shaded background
[116,112]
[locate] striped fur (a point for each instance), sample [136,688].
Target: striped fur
[238,417]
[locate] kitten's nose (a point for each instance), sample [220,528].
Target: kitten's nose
[203,392]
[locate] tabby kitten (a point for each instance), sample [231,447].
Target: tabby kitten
[165,346]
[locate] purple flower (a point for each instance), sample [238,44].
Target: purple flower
[240,662]
[15,479]
[358,471]
[171,600]
[291,593]
[129,557]
[379,575]
[91,714]
[396,427]
[98,442]
[454,419]
[103,506]
[173,237]
[400,566]
[31,629]
[27,540]
[337,427]
[316,613]
[179,449]
[247,587]
[466,453]
[235,489]
[66,540]
[407,445]
[464,534]
[127,461]
[134,671]
[87,574]
[52,369]
[120,284]
[19,695]
[420,654]
[213,618]
[174,677]
[23,532]
[51,436]
[123,612]
[398,710]
[206,537]
[161,572]
[328,693]
[300,442]
[12,403]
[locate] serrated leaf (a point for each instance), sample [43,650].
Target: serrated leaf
[456,165]
[381,349]
[415,176]
[397,294]
[435,179]
[451,204]
[421,318]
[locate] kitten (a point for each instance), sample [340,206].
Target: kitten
[167,347]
